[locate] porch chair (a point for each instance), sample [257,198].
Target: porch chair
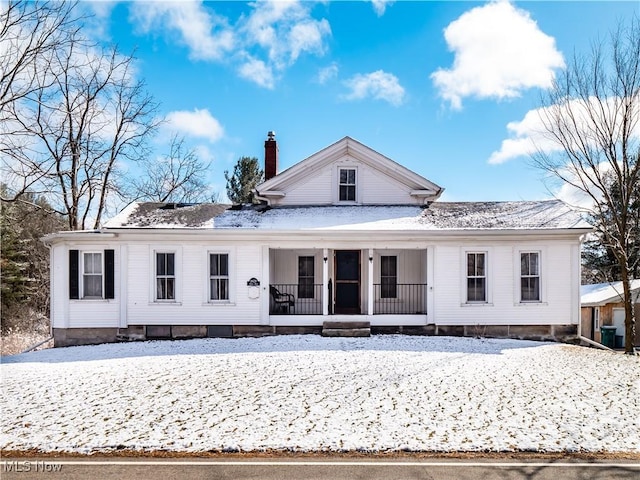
[282,301]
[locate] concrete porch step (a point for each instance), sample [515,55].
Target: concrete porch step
[346,332]
[346,329]
[346,324]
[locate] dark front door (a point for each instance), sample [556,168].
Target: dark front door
[347,275]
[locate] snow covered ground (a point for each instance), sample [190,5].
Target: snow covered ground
[311,393]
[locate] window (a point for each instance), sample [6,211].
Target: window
[388,276]
[219,276]
[165,276]
[596,319]
[476,277]
[91,275]
[306,276]
[347,184]
[530,277]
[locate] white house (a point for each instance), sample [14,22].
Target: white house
[346,237]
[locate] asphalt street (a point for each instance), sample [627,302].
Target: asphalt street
[314,469]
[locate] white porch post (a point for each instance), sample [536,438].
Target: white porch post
[431,260]
[264,284]
[370,283]
[325,281]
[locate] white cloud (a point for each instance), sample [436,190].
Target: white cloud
[327,73]
[285,29]
[575,197]
[499,51]
[380,6]
[258,72]
[198,123]
[207,35]
[267,40]
[378,85]
[529,135]
[308,36]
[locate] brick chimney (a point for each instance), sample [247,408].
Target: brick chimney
[270,156]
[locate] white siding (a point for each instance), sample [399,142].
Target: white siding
[192,306]
[503,306]
[315,189]
[320,187]
[446,259]
[379,189]
[66,313]
[59,286]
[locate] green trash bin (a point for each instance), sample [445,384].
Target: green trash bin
[608,336]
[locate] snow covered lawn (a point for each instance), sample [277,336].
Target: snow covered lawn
[311,393]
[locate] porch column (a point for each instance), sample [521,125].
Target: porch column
[370,283]
[325,281]
[431,261]
[264,284]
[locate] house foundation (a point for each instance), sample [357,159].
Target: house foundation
[66,337]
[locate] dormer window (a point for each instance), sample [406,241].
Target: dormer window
[347,185]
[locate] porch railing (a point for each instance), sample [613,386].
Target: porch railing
[400,299]
[297,299]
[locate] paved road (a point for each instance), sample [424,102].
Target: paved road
[316,469]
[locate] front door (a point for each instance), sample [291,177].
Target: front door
[347,275]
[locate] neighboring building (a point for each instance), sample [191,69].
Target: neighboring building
[346,235]
[603,304]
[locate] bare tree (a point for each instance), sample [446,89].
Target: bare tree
[69,138]
[178,177]
[30,33]
[591,121]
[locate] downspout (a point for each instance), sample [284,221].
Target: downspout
[593,343]
[257,196]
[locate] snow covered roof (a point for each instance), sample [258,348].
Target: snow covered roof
[167,215]
[538,215]
[599,294]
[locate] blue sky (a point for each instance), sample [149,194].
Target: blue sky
[440,87]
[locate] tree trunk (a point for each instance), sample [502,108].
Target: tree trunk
[629,319]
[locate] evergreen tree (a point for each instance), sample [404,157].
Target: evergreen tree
[24,261]
[598,258]
[246,175]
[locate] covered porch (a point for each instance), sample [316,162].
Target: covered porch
[309,286]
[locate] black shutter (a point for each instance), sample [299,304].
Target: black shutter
[109,274]
[74,291]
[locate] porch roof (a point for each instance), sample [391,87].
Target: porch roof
[438,216]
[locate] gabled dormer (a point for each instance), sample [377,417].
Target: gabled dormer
[345,173]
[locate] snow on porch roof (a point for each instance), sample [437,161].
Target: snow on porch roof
[599,294]
[545,215]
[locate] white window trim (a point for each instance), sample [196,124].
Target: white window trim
[81,254]
[315,274]
[517,287]
[488,265]
[378,275]
[177,251]
[232,277]
[520,277]
[336,184]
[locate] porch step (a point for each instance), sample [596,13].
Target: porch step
[346,329]
[346,324]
